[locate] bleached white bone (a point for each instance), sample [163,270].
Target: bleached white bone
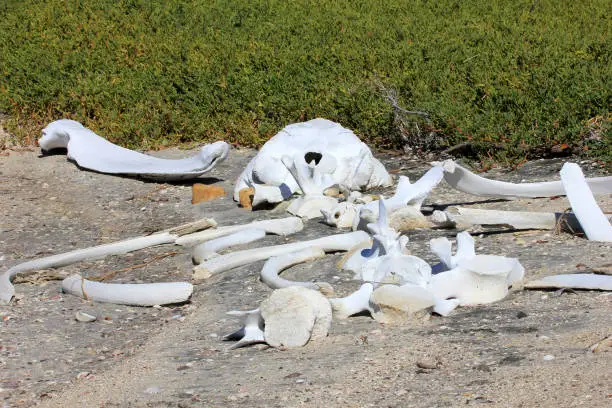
[136,294]
[294,316]
[477,280]
[355,167]
[356,302]
[279,226]
[593,221]
[269,194]
[572,281]
[273,266]
[442,247]
[464,180]
[96,153]
[208,249]
[340,242]
[7,291]
[400,304]
[463,217]
[251,333]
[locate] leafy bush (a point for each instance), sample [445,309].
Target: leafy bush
[514,76]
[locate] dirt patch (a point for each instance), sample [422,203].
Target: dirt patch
[530,349]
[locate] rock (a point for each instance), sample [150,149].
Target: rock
[245,196]
[428,364]
[203,192]
[295,315]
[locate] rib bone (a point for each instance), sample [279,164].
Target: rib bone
[145,294]
[572,281]
[208,249]
[468,182]
[340,242]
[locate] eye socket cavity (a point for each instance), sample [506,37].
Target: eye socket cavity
[310,156]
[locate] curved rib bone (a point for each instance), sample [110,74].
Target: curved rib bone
[96,153]
[208,249]
[273,266]
[468,182]
[340,242]
[7,291]
[572,281]
[139,294]
[279,226]
[593,221]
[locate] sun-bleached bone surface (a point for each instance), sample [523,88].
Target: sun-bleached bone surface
[593,221]
[464,180]
[442,247]
[572,281]
[339,242]
[295,315]
[356,302]
[7,291]
[93,152]
[273,266]
[464,217]
[208,249]
[135,294]
[355,167]
[251,333]
[279,226]
[400,304]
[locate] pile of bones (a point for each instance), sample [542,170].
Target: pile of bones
[320,169]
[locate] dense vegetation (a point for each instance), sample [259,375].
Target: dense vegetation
[511,77]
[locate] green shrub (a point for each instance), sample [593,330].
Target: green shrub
[508,76]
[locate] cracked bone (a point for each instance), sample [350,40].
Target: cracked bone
[208,249]
[169,236]
[400,304]
[464,180]
[273,266]
[356,167]
[332,243]
[312,179]
[594,223]
[135,294]
[251,333]
[356,302]
[295,315]
[279,226]
[93,152]
[572,281]
[463,217]
[478,280]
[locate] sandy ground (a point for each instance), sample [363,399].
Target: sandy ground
[534,348]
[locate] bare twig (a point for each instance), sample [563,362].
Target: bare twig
[112,274]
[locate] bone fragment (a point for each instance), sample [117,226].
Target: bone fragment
[145,294]
[273,266]
[295,315]
[463,217]
[208,249]
[442,247]
[400,304]
[594,223]
[96,153]
[340,242]
[572,281]
[464,180]
[280,226]
[356,302]
[168,236]
[251,333]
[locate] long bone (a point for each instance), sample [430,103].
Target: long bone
[572,281]
[136,294]
[273,266]
[279,226]
[593,221]
[464,217]
[7,291]
[464,180]
[339,242]
[208,249]
[96,153]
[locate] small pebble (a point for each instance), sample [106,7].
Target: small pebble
[84,317]
[152,390]
[548,357]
